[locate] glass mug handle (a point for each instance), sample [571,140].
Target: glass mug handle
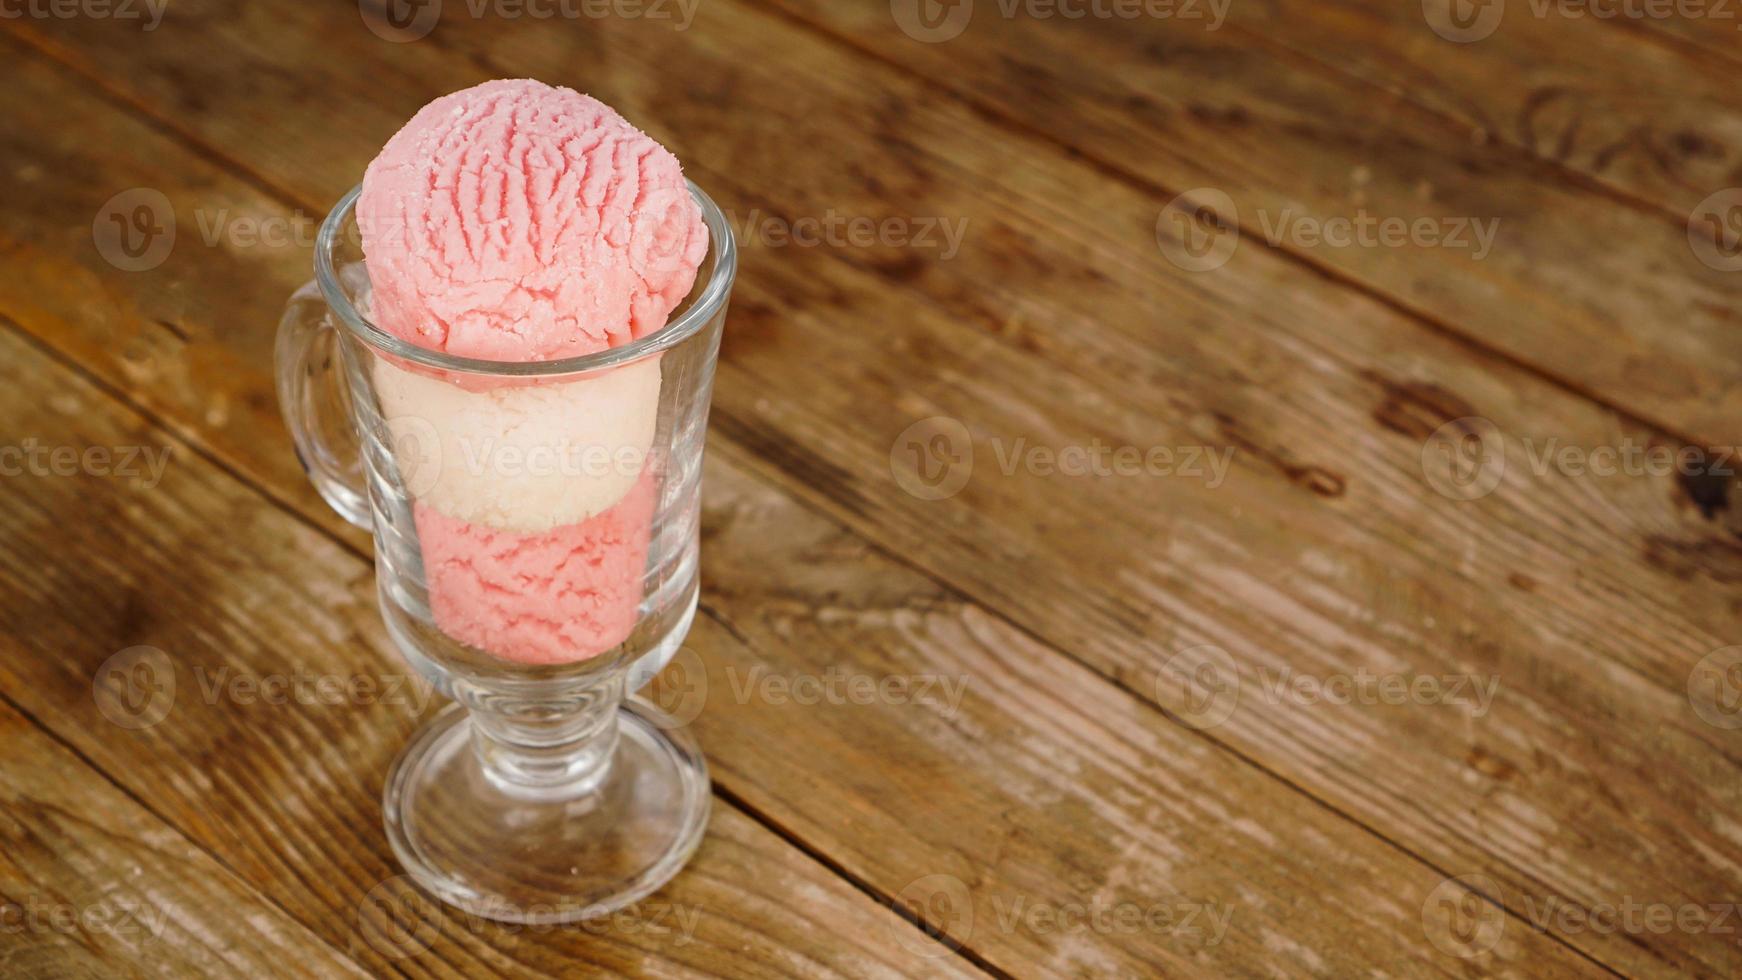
[316,404]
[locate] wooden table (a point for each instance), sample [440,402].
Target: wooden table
[1300,576]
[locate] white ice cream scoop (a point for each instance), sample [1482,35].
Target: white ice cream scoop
[523,458]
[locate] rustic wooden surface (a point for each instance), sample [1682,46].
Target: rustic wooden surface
[1058,787]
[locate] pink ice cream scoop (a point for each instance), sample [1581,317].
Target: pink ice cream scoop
[514,221]
[539,598]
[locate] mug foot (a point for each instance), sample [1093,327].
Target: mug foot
[534,859]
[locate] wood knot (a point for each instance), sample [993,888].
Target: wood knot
[1417,409]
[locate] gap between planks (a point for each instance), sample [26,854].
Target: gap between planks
[866,888]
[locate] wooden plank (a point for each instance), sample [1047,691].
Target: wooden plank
[1611,300]
[1062,793]
[93,884]
[1296,397]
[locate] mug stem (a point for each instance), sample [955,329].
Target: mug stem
[552,745]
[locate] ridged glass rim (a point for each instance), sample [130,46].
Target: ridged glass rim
[715,289]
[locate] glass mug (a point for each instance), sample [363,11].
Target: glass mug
[536,537]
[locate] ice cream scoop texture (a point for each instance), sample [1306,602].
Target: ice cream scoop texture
[517,221]
[539,598]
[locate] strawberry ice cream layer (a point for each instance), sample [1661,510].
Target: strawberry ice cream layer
[539,598]
[519,222]
[514,221]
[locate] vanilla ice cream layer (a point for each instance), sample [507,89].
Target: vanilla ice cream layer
[522,458]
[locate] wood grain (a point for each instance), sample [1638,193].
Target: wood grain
[93,884]
[1715,36]
[1328,405]
[1296,141]
[1645,121]
[1017,799]
[1336,415]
